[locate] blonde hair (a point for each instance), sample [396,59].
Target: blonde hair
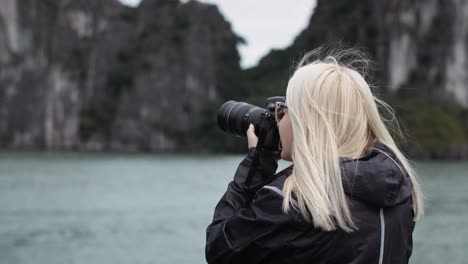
[334,114]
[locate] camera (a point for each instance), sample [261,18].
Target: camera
[235,117]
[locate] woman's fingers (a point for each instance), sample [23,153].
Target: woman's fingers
[251,137]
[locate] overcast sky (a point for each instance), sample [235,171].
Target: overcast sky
[264,24]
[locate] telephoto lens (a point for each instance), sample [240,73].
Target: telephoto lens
[234,117]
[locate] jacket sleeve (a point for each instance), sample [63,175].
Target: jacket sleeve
[243,227]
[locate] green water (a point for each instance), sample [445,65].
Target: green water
[121,208]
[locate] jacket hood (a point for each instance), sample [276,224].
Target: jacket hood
[375,178]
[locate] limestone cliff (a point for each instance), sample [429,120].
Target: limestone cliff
[98,75]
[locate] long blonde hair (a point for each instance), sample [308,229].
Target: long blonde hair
[334,114]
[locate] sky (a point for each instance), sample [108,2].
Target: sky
[264,24]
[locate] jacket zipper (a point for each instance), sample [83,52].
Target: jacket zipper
[382,235]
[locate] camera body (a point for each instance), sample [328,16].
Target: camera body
[235,117]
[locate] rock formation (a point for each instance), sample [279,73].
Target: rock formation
[98,75]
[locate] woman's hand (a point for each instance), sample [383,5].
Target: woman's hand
[251,137]
[253,140]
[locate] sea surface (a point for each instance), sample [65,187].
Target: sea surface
[97,208]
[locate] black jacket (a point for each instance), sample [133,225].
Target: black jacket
[249,227]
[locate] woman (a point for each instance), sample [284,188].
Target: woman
[350,196]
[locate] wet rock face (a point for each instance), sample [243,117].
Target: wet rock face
[39,102]
[99,75]
[418,44]
[456,74]
[428,40]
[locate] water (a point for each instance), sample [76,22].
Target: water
[117,208]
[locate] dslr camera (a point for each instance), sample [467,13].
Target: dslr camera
[235,117]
